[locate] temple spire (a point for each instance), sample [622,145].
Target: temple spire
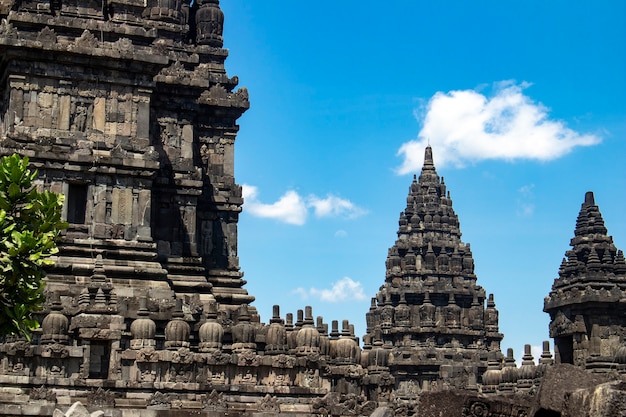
[428,174]
[427,265]
[591,276]
[589,224]
[428,158]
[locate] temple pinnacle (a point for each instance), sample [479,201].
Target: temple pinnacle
[428,158]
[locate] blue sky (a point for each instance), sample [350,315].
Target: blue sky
[524,105]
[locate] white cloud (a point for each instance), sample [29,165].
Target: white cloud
[343,290]
[526,190]
[334,206]
[341,233]
[536,351]
[293,209]
[302,292]
[525,205]
[290,208]
[466,126]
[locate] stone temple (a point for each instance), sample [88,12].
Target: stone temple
[125,107]
[430,310]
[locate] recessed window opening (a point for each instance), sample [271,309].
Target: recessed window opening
[76,203]
[99,353]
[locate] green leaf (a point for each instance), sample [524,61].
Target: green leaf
[30,221]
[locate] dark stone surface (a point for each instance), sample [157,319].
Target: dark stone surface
[561,380]
[604,400]
[430,313]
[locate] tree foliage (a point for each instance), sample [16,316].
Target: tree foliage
[30,221]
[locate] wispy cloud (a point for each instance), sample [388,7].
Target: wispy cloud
[525,205]
[294,209]
[302,292]
[536,351]
[343,290]
[290,208]
[466,126]
[333,206]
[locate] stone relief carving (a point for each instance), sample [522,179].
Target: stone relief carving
[42,393]
[215,401]
[161,399]
[56,368]
[100,398]
[279,378]
[55,350]
[217,95]
[245,377]
[561,325]
[269,404]
[147,355]
[147,373]
[247,358]
[47,36]
[176,69]
[218,358]
[311,378]
[7,30]
[86,40]
[123,45]
[21,348]
[283,361]
[216,377]
[343,404]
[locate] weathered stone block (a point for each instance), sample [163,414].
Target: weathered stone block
[121,205]
[561,380]
[124,129]
[45,99]
[33,111]
[130,403]
[46,122]
[143,119]
[295,408]
[604,400]
[16,107]
[144,413]
[64,399]
[99,113]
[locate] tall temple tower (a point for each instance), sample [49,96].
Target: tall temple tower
[126,108]
[587,303]
[430,311]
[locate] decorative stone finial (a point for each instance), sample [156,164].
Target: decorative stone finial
[55,325]
[211,332]
[428,157]
[209,23]
[177,330]
[98,275]
[143,328]
[308,316]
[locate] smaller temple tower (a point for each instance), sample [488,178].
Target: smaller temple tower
[430,312]
[587,304]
